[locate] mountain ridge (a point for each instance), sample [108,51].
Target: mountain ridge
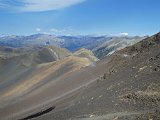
[100,45]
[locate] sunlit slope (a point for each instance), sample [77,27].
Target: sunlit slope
[38,75]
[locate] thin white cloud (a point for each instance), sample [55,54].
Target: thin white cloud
[38,29]
[64,31]
[123,34]
[59,31]
[37,5]
[45,5]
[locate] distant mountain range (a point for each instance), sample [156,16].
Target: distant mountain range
[32,40]
[72,43]
[115,44]
[101,46]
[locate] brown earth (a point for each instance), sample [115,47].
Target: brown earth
[123,86]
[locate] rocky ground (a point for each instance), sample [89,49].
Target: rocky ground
[123,86]
[129,88]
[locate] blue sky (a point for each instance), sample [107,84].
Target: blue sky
[133,17]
